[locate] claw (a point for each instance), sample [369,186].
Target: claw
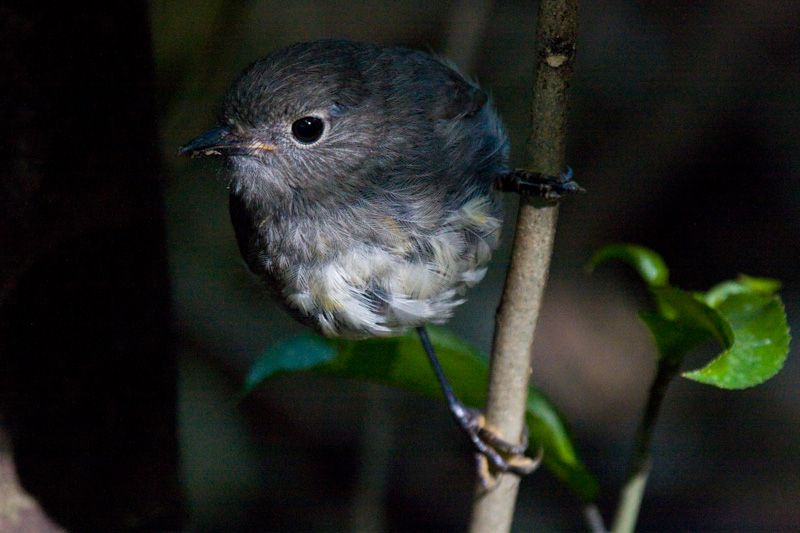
[486,477]
[495,454]
[519,464]
[542,185]
[491,436]
[523,465]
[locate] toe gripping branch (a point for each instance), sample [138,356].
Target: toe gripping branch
[494,454]
[538,184]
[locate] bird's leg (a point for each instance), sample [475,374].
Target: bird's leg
[502,455]
[535,183]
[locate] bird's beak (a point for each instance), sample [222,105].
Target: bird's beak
[220,141]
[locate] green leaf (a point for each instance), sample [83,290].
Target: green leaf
[547,430]
[297,353]
[670,339]
[760,340]
[401,362]
[697,321]
[648,264]
[745,316]
[681,324]
[744,284]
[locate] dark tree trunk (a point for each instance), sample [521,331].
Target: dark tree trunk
[87,362]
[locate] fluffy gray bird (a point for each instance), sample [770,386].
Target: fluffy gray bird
[365,192]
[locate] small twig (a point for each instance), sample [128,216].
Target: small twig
[594,519]
[630,499]
[530,256]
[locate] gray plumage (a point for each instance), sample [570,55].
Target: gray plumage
[382,222]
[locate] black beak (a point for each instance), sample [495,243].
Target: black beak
[220,141]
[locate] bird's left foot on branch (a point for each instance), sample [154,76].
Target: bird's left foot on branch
[538,184]
[495,455]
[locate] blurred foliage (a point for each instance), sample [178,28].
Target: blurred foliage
[745,316]
[401,362]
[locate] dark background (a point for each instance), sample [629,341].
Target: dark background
[683,129]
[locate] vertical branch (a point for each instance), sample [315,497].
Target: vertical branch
[557,26]
[630,500]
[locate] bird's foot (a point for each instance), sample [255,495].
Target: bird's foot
[494,454]
[538,184]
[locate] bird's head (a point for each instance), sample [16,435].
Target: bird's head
[297,120]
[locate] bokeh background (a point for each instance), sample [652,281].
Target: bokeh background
[683,129]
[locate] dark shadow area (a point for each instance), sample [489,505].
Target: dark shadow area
[86,348]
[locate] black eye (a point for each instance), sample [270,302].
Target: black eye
[308,129]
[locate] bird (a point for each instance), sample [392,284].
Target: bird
[365,191]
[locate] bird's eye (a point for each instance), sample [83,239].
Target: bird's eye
[308,129]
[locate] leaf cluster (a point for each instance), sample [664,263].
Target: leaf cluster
[745,317]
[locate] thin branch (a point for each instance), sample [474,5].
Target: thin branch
[630,499]
[530,256]
[594,519]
